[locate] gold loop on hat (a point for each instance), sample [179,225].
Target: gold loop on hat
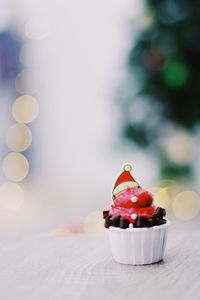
[127,167]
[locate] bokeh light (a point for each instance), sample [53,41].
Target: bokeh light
[161,197]
[180,147]
[94,222]
[15,166]
[37,28]
[175,73]
[186,205]
[153,59]
[142,20]
[25,109]
[18,137]
[11,196]
[27,82]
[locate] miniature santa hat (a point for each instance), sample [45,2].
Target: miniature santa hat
[124,181]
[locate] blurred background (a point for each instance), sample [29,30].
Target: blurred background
[84,88]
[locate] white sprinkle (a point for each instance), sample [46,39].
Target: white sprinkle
[130,225]
[134,216]
[134,199]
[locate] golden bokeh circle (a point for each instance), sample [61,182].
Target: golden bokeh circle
[11,196]
[161,197]
[18,137]
[15,166]
[180,147]
[186,205]
[25,109]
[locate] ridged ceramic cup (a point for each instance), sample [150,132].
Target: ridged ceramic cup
[138,246]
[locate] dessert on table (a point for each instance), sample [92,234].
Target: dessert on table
[137,228]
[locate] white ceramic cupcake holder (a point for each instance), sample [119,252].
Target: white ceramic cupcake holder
[138,246]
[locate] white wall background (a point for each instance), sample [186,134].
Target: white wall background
[86,52]
[77,154]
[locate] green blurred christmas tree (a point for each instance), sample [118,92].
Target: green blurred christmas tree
[162,90]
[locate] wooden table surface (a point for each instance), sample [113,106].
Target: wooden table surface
[81,267]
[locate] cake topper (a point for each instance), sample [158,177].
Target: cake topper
[124,181]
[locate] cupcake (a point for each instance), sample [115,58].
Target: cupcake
[137,228]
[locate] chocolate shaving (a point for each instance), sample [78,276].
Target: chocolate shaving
[160,212]
[124,223]
[141,222]
[115,221]
[158,221]
[105,213]
[107,222]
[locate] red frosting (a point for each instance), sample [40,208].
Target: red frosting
[132,203]
[134,197]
